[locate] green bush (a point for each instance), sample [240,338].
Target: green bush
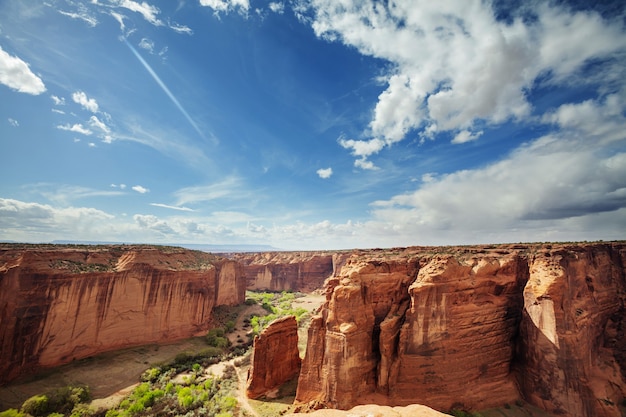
[37,406]
[11,412]
[80,410]
[151,374]
[215,338]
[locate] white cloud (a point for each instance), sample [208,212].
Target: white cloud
[466,136]
[59,101]
[325,172]
[24,221]
[454,66]
[13,122]
[601,121]
[365,164]
[148,11]
[140,189]
[226,6]
[77,127]
[147,44]
[181,28]
[98,124]
[81,15]
[179,208]
[16,74]
[228,188]
[81,98]
[277,7]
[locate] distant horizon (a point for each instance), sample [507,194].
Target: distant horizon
[243,248]
[313,124]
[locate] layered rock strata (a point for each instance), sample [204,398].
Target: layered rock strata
[275,358]
[60,304]
[473,328]
[288,271]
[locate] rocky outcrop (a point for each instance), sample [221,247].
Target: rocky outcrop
[275,358]
[472,328]
[288,271]
[374,410]
[60,304]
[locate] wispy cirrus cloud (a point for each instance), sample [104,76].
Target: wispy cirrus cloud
[16,74]
[83,14]
[167,206]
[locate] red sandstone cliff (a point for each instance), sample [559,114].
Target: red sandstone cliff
[473,328]
[275,359]
[288,271]
[60,304]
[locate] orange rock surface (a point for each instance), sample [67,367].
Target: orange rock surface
[374,410]
[58,304]
[275,358]
[472,328]
[287,271]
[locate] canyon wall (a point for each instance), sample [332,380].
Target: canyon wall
[60,304]
[473,328]
[288,271]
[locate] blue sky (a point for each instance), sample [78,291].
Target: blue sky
[318,124]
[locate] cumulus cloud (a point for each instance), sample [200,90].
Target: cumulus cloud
[76,127]
[27,221]
[13,122]
[466,136]
[81,98]
[16,74]
[546,180]
[277,7]
[58,101]
[99,124]
[140,189]
[325,172]
[225,6]
[455,66]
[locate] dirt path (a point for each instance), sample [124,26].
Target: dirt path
[242,398]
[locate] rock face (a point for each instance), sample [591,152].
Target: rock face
[374,410]
[60,304]
[288,271]
[472,328]
[275,359]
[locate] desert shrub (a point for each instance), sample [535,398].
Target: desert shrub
[151,374]
[37,406]
[250,301]
[215,337]
[12,412]
[80,410]
[229,326]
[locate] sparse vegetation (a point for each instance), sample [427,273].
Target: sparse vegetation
[277,305]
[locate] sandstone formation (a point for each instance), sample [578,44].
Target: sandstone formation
[275,358]
[374,410]
[473,328]
[288,271]
[58,304]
